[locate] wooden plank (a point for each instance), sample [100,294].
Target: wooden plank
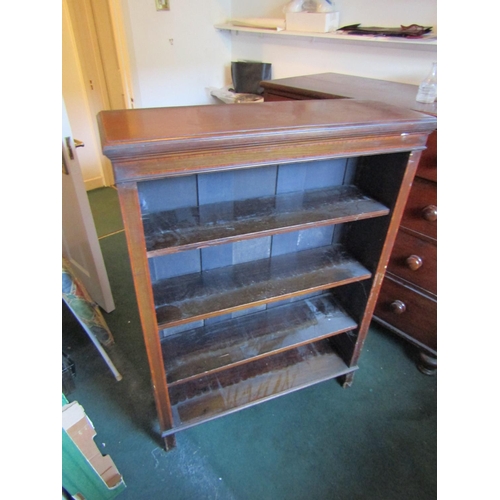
[225,392]
[218,291]
[216,223]
[235,341]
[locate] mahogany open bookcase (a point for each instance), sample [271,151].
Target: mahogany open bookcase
[258,238]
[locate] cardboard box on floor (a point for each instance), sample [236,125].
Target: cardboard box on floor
[81,430]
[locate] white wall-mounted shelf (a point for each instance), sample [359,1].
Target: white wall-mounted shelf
[427,43]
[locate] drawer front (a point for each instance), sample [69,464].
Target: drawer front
[427,166]
[415,259]
[421,209]
[409,311]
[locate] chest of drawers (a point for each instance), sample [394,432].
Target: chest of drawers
[407,302]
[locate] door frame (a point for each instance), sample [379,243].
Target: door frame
[80,16]
[122,50]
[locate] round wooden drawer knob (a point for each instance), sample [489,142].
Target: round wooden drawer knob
[398,307]
[414,262]
[430,213]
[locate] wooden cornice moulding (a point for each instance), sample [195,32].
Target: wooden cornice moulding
[155,132]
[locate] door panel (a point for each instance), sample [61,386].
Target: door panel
[80,244]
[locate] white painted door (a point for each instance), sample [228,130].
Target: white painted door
[80,244]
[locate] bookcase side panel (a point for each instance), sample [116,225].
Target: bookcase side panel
[129,203]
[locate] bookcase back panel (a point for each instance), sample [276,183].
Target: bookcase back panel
[240,184]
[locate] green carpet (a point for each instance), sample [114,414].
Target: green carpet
[105,210]
[375,440]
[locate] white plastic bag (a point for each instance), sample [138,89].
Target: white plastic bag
[228,96]
[309,6]
[293,6]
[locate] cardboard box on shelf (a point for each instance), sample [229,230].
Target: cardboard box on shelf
[313,22]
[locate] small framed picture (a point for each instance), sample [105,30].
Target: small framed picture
[162,4]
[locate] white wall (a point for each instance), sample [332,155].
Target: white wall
[366,12]
[175,55]
[301,56]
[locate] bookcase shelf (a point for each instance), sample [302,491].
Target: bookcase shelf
[428,42]
[224,392]
[234,341]
[258,238]
[215,223]
[218,291]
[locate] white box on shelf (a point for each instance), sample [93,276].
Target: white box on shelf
[313,22]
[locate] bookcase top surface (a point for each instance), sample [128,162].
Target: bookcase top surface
[153,131]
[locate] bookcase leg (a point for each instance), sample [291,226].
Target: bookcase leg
[169,442]
[346,380]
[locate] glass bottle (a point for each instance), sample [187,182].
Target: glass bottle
[324,6]
[427,90]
